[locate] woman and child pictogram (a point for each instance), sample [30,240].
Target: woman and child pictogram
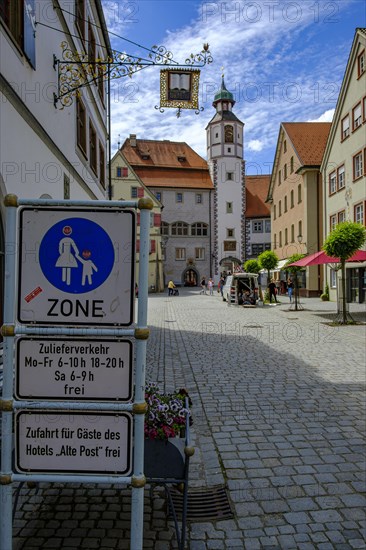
[69,257]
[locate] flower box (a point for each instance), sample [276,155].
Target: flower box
[164,459]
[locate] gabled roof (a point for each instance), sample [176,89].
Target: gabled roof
[138,180]
[360,35]
[167,164]
[256,194]
[162,154]
[309,140]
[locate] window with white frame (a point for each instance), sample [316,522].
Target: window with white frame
[164,228]
[341,177]
[332,183]
[198,198]
[199,229]
[332,222]
[257,249]
[179,229]
[359,213]
[345,127]
[361,63]
[81,125]
[357,166]
[199,253]
[93,148]
[180,253]
[257,226]
[342,216]
[357,116]
[333,278]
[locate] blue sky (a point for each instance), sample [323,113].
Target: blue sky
[283,61]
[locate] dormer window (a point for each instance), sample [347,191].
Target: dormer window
[145,156]
[181,158]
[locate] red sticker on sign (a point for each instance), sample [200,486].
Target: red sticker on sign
[33,294]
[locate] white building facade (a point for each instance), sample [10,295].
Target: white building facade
[46,150]
[344,165]
[225,148]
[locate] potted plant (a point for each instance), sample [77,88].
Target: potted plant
[166,422]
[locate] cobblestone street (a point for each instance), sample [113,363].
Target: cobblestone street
[279,420]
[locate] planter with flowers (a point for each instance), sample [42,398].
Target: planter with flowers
[167,445]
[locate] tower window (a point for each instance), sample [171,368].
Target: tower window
[229,133]
[230,176]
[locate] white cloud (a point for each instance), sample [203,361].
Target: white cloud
[325,117]
[275,69]
[255,145]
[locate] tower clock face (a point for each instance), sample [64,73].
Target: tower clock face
[229,134]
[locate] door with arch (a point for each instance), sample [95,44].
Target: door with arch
[190,277]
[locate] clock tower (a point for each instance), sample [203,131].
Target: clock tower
[225,147]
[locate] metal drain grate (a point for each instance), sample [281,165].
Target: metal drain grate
[204,504]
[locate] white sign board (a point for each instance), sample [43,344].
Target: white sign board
[73,369]
[76,266]
[78,442]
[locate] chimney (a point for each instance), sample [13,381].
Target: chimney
[133,140]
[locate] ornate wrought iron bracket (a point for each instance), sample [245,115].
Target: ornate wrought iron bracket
[76,71]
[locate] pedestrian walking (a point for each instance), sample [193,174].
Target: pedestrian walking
[210,286]
[272,291]
[203,286]
[222,284]
[171,287]
[290,289]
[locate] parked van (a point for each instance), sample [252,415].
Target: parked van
[237,285]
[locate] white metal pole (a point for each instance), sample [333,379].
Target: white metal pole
[6,487]
[138,479]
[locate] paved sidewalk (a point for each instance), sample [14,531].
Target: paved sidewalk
[279,420]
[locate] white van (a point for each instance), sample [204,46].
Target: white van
[237,285]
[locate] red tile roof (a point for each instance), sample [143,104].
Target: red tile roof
[167,164]
[309,140]
[256,194]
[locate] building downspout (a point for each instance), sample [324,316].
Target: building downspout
[210,232]
[109,134]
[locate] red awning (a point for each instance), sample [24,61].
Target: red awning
[321,257]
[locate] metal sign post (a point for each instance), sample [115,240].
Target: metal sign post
[74,406]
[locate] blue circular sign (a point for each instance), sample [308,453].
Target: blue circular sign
[76,255]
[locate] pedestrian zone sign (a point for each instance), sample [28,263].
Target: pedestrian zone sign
[76,266]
